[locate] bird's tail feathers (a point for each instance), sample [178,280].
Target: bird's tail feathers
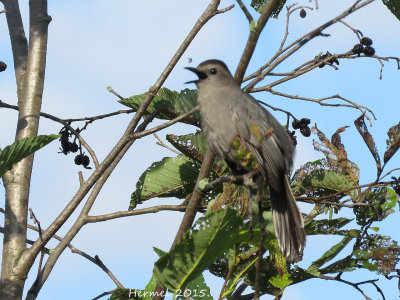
[288,223]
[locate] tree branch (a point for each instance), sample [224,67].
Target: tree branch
[283,54]
[30,68]
[142,211]
[253,39]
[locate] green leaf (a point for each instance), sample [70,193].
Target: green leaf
[383,200]
[394,7]
[195,146]
[325,226]
[21,149]
[170,103]
[159,251]
[170,177]
[313,269]
[196,289]
[208,239]
[258,5]
[315,181]
[150,287]
[280,281]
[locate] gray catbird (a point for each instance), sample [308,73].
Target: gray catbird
[227,113]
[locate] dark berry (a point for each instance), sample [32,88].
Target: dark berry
[73,147]
[305,121]
[296,124]
[369,51]
[3,66]
[358,48]
[321,65]
[305,130]
[85,161]
[366,41]
[303,13]
[79,159]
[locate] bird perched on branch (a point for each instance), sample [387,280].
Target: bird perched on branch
[239,130]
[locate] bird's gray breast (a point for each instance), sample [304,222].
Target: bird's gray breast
[216,120]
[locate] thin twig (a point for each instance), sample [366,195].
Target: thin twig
[110,89]
[284,53]
[356,31]
[354,285]
[140,134]
[43,252]
[162,144]
[66,124]
[96,260]
[103,116]
[245,11]
[128,213]
[321,101]
[388,173]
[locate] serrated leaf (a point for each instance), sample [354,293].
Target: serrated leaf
[171,104]
[369,141]
[208,239]
[382,199]
[394,7]
[325,226]
[150,287]
[195,146]
[21,149]
[316,181]
[170,177]
[280,281]
[393,142]
[158,251]
[313,269]
[196,289]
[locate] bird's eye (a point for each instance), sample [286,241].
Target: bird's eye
[213,71]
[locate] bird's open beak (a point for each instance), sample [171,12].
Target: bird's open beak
[200,74]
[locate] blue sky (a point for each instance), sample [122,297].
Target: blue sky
[126,45]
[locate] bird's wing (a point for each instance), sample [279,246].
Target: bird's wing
[268,150]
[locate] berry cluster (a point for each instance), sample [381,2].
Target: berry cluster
[67,146]
[364,47]
[82,159]
[330,61]
[302,124]
[3,66]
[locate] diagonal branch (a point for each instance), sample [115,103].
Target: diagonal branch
[253,39]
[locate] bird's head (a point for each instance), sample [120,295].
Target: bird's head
[211,72]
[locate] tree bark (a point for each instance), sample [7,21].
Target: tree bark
[30,84]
